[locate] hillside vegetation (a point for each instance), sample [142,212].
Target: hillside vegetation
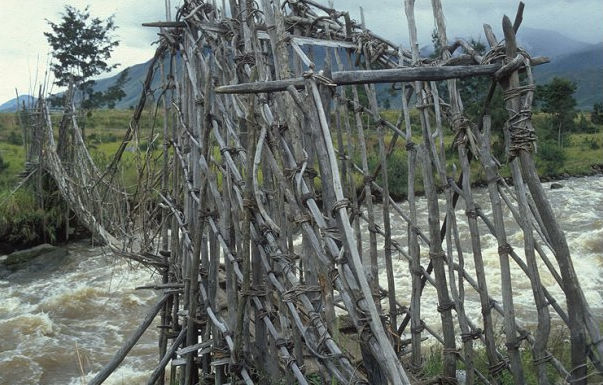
[23,223]
[105,129]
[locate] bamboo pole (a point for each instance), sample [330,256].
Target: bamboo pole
[167,356]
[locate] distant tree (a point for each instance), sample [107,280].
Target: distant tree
[81,48]
[387,104]
[557,99]
[597,115]
[437,47]
[110,97]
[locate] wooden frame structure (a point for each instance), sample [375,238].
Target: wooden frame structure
[251,122]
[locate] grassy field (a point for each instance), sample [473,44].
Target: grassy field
[23,223]
[104,130]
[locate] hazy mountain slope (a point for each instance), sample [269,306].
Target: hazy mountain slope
[584,67]
[581,62]
[11,105]
[132,87]
[541,42]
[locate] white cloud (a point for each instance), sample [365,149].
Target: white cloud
[577,19]
[22,24]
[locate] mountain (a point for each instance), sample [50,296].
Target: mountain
[132,87]
[584,67]
[542,42]
[11,105]
[578,61]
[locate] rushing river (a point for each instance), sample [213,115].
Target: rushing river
[61,327]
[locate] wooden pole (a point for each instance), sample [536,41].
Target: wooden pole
[167,356]
[129,344]
[392,75]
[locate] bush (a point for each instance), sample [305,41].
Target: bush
[144,146]
[3,165]
[597,114]
[23,223]
[20,219]
[14,138]
[589,144]
[397,171]
[550,158]
[584,126]
[104,137]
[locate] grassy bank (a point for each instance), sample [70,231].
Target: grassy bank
[581,154]
[23,223]
[558,345]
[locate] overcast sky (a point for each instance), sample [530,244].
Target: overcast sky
[23,47]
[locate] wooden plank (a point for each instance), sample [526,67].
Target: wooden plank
[393,75]
[179,362]
[165,24]
[212,27]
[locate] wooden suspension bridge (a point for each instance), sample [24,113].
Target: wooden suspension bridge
[254,220]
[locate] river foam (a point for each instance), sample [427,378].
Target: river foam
[60,327]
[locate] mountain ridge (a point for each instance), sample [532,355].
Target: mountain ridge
[578,61]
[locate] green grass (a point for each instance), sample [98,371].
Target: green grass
[585,150]
[558,345]
[15,157]
[105,129]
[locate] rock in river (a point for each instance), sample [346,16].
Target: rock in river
[25,262]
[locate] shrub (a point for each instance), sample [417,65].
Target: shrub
[108,137]
[103,137]
[3,165]
[550,158]
[14,138]
[597,114]
[19,218]
[23,223]
[585,126]
[589,144]
[397,171]
[144,146]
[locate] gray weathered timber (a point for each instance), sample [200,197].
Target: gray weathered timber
[167,356]
[392,75]
[253,212]
[129,344]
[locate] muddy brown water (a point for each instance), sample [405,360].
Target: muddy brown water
[61,327]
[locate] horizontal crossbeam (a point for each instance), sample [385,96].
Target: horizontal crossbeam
[214,27]
[342,78]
